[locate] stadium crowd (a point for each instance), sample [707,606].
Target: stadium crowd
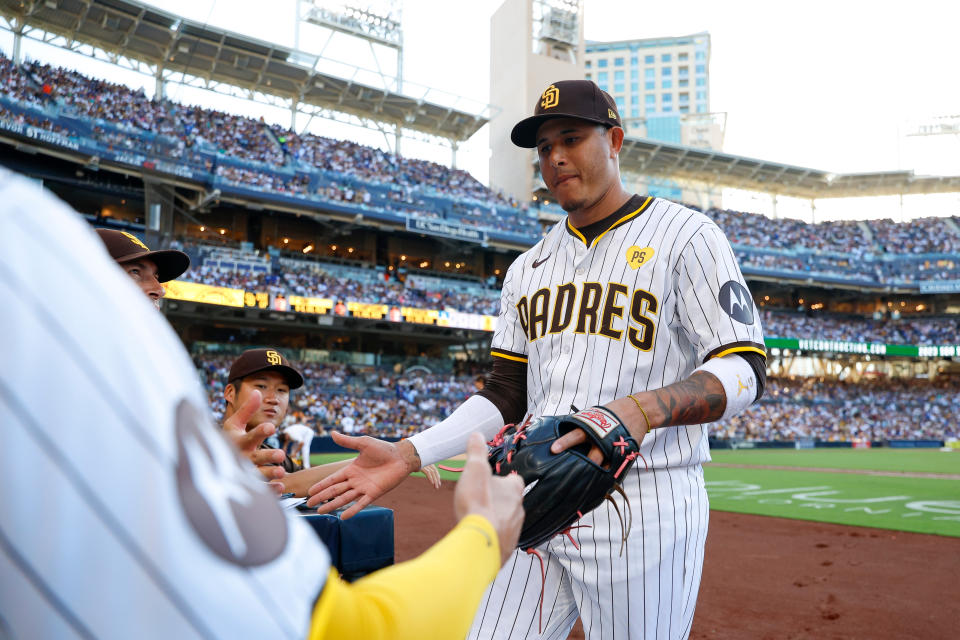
[297,184]
[923,235]
[318,282]
[842,411]
[328,280]
[383,402]
[116,140]
[846,249]
[886,330]
[940,269]
[95,99]
[754,230]
[33,121]
[233,135]
[382,167]
[279,160]
[356,400]
[17,85]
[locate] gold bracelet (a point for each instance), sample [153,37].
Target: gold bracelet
[637,402]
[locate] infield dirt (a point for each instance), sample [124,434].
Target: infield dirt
[773,578]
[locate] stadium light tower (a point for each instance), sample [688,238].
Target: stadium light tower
[377,23]
[929,145]
[556,29]
[938,137]
[355,79]
[938,126]
[532,43]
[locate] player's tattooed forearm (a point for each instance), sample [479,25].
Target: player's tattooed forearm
[699,398]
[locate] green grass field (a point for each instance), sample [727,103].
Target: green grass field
[902,503]
[913,460]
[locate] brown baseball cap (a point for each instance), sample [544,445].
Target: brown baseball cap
[581,99]
[254,361]
[125,247]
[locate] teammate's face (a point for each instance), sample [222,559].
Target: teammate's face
[144,273]
[275,393]
[578,161]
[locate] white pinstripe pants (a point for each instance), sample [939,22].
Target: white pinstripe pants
[648,592]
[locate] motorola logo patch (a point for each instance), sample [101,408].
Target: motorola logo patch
[735,300]
[230,509]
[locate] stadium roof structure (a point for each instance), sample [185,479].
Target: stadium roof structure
[715,168]
[169,45]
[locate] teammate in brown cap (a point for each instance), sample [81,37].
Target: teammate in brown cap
[268,375]
[147,268]
[265,373]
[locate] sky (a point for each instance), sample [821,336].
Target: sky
[830,85]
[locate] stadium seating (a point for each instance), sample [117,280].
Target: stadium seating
[340,282]
[244,152]
[885,330]
[838,411]
[385,403]
[224,267]
[247,157]
[378,400]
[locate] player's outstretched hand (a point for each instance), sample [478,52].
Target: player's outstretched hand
[433,475]
[248,442]
[499,499]
[380,467]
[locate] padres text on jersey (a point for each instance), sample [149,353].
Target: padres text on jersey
[637,307]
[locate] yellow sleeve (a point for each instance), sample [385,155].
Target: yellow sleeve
[433,596]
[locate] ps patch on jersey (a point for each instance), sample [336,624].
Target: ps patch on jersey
[229,508]
[736,301]
[637,257]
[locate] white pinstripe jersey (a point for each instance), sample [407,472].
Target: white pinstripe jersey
[124,513]
[652,298]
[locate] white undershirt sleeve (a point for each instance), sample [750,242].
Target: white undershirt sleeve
[449,437]
[738,380]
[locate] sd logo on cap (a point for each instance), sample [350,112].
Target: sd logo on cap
[581,99]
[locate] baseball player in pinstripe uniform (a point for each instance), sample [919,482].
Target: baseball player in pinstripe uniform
[634,304]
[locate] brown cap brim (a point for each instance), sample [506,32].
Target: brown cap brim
[524,133]
[294,379]
[171,264]
[254,361]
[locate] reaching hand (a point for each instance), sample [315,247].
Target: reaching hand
[248,442]
[498,499]
[380,467]
[433,475]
